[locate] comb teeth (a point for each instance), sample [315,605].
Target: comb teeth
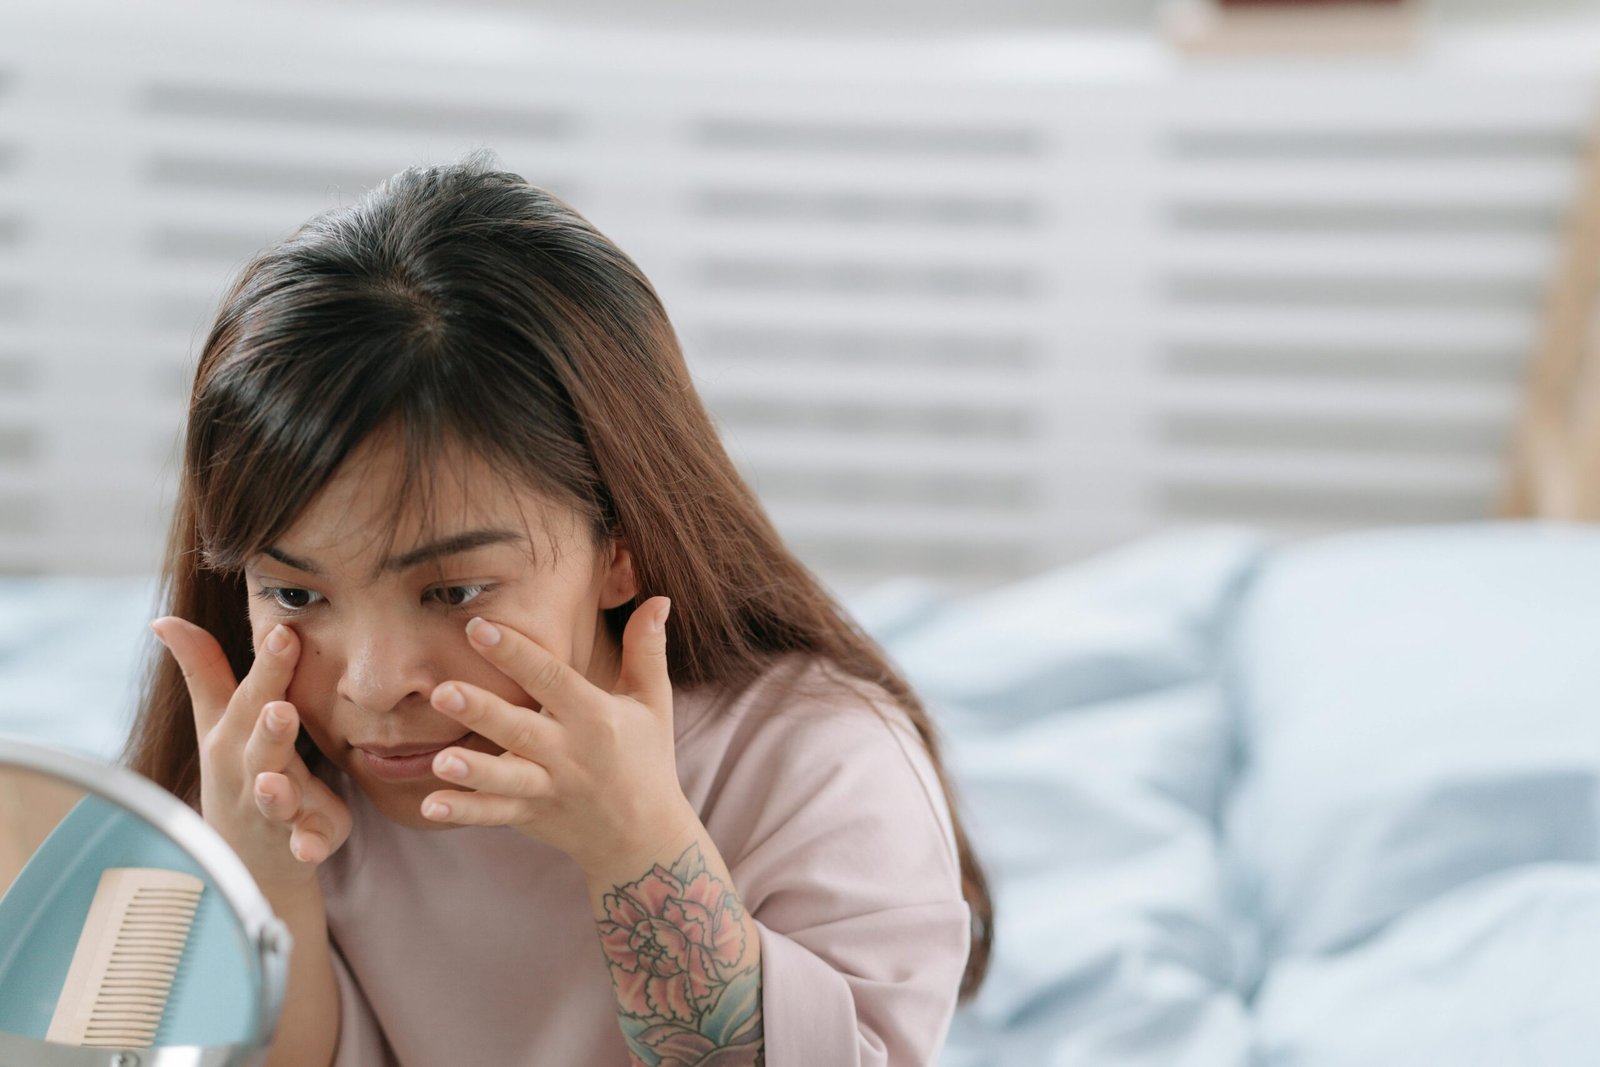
[128,953]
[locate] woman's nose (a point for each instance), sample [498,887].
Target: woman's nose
[384,670]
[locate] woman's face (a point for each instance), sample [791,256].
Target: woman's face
[377,635]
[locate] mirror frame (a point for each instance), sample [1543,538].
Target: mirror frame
[264,932]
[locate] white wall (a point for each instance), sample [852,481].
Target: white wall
[915,17]
[966,307]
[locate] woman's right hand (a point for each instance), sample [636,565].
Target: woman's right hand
[255,790]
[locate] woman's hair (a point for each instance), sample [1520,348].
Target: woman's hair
[460,305]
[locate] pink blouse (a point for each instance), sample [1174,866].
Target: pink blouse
[477,945]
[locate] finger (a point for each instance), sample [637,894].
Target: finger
[520,730]
[475,809]
[507,774]
[205,667]
[323,811]
[271,743]
[311,841]
[643,675]
[319,820]
[267,680]
[279,799]
[209,676]
[277,796]
[542,675]
[314,835]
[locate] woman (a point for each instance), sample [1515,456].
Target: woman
[445,473]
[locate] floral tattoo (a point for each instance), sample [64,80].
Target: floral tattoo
[674,940]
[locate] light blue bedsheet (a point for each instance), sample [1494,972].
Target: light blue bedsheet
[1330,804]
[71,653]
[1335,803]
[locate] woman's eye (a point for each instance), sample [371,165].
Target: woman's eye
[288,598]
[292,599]
[448,594]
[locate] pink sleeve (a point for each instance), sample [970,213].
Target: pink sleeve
[855,888]
[361,1042]
[878,991]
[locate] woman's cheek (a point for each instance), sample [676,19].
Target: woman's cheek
[259,628]
[306,684]
[312,699]
[302,688]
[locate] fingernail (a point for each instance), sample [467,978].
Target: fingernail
[276,720]
[484,632]
[278,639]
[435,810]
[452,766]
[660,620]
[152,625]
[450,698]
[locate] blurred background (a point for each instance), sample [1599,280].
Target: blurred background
[972,290]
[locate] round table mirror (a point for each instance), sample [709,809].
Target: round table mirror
[130,933]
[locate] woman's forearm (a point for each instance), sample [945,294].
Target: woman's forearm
[308,1029]
[684,955]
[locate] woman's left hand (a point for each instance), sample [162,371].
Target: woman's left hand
[592,773]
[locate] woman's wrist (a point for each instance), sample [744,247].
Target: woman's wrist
[299,905]
[684,954]
[661,840]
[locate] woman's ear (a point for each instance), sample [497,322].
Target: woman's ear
[620,584]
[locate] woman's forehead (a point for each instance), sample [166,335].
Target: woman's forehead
[378,499]
[378,559]
[364,520]
[394,500]
[414,486]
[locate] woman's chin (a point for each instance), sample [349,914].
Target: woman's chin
[402,805]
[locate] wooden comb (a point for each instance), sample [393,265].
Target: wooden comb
[127,957]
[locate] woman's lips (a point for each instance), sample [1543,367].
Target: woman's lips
[405,768]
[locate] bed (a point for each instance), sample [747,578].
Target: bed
[1325,804]
[1242,802]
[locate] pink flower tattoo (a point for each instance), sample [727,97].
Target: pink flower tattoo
[673,939]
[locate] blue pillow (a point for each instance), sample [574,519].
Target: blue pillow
[1088,741]
[1420,711]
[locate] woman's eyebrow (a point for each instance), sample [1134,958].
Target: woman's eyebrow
[448,546]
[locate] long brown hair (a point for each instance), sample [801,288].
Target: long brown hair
[460,304]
